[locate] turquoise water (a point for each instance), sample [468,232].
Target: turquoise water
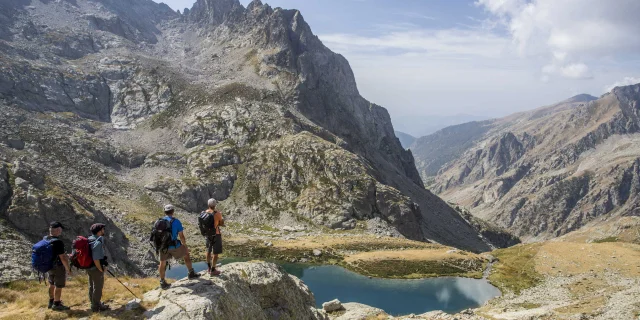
[396,297]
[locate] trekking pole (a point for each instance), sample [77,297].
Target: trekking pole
[123,284]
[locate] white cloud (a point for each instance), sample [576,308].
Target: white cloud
[570,32]
[448,42]
[627,81]
[576,71]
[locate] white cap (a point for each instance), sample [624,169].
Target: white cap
[212,202]
[168,208]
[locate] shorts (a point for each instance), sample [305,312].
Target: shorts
[57,276]
[214,244]
[178,253]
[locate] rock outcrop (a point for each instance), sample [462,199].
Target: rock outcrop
[544,173]
[256,290]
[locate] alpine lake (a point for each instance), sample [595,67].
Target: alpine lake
[394,296]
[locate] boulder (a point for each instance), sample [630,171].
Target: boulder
[257,290]
[317,252]
[357,311]
[24,184]
[132,305]
[28,173]
[331,306]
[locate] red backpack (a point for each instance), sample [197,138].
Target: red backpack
[81,257]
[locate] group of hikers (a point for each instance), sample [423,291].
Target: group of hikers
[50,257]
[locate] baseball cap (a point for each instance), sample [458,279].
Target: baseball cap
[212,202]
[96,227]
[55,225]
[168,208]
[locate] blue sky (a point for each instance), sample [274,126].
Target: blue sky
[481,57]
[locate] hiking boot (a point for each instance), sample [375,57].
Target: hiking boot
[60,307]
[164,284]
[214,273]
[50,304]
[193,275]
[100,308]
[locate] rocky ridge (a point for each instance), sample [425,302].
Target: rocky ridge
[112,107]
[544,173]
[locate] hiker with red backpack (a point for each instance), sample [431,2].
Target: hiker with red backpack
[168,239]
[48,256]
[98,268]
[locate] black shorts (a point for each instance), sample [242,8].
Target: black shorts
[57,276]
[214,244]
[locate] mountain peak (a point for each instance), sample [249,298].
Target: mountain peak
[216,12]
[581,98]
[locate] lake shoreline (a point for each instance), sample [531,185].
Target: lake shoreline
[329,282]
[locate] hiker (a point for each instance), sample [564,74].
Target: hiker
[209,222]
[172,247]
[58,275]
[97,271]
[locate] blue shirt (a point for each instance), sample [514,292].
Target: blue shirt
[176,227]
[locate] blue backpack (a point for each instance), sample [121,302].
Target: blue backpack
[42,255]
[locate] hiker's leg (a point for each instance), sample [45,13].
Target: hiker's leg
[214,262]
[51,289]
[209,259]
[91,287]
[57,294]
[161,269]
[187,261]
[98,285]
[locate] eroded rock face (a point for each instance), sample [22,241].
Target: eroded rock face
[256,290]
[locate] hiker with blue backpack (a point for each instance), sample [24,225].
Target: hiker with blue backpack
[49,256]
[168,239]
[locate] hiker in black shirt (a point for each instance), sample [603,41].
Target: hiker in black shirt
[58,275]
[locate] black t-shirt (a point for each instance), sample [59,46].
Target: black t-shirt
[58,248]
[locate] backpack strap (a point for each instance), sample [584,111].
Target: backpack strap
[175,241]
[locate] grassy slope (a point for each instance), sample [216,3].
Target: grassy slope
[28,299]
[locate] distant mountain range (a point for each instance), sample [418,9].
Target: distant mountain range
[419,126]
[405,139]
[545,172]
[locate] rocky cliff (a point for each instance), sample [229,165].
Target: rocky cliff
[113,107]
[547,172]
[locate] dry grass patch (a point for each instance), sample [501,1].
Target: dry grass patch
[28,299]
[569,258]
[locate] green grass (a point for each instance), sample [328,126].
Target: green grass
[265,227]
[515,269]
[257,250]
[253,194]
[407,269]
[607,239]
[528,305]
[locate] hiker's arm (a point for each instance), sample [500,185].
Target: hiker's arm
[65,262]
[98,265]
[220,220]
